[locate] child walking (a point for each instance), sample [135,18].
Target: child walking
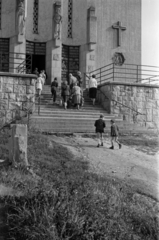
[100,125]
[114,134]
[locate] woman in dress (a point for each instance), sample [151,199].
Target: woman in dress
[92,85]
[39,84]
[65,93]
[76,94]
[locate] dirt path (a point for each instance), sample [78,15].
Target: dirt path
[128,164]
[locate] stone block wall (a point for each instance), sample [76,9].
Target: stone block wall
[17,93]
[122,98]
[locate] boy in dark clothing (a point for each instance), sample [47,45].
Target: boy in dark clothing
[54,86]
[100,125]
[114,134]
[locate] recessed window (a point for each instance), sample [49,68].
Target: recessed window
[69,32]
[35,16]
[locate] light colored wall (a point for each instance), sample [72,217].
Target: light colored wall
[45,21]
[108,12]
[8,19]
[79,23]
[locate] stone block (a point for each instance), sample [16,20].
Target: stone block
[150,125]
[2,121]
[21,98]
[151,103]
[157,103]
[15,105]
[155,112]
[20,89]
[1,84]
[6,96]
[22,81]
[9,116]
[2,113]
[30,90]
[27,105]
[30,97]
[7,88]
[149,115]
[9,80]
[1,95]
[12,96]
[156,93]
[18,145]
[4,104]
[15,80]
[32,82]
[119,99]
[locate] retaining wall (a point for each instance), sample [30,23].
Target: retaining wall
[17,93]
[143,98]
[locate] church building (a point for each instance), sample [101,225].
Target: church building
[63,36]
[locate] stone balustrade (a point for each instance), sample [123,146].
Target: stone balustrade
[143,98]
[17,93]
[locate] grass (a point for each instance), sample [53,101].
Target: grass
[145,143]
[66,201]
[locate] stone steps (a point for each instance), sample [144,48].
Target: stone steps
[55,118]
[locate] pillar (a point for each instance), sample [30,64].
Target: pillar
[18,145]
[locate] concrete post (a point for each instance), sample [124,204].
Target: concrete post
[18,145]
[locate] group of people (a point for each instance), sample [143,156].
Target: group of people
[41,79]
[71,93]
[99,128]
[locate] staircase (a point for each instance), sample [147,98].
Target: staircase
[55,119]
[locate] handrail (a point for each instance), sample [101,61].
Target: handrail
[127,72]
[14,61]
[106,97]
[121,104]
[28,111]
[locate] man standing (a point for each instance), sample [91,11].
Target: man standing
[54,86]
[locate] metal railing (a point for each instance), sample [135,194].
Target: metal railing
[15,62]
[117,103]
[125,73]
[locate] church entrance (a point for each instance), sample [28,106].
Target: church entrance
[37,51]
[70,61]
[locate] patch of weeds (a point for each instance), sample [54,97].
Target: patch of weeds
[69,202]
[143,143]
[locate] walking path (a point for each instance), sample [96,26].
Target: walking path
[128,164]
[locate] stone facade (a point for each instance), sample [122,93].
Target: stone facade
[122,98]
[92,31]
[17,93]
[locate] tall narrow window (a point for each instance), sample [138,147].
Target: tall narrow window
[69,33]
[0,14]
[35,16]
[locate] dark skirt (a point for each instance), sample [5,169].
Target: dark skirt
[92,92]
[65,98]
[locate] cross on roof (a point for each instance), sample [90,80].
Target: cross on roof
[119,28]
